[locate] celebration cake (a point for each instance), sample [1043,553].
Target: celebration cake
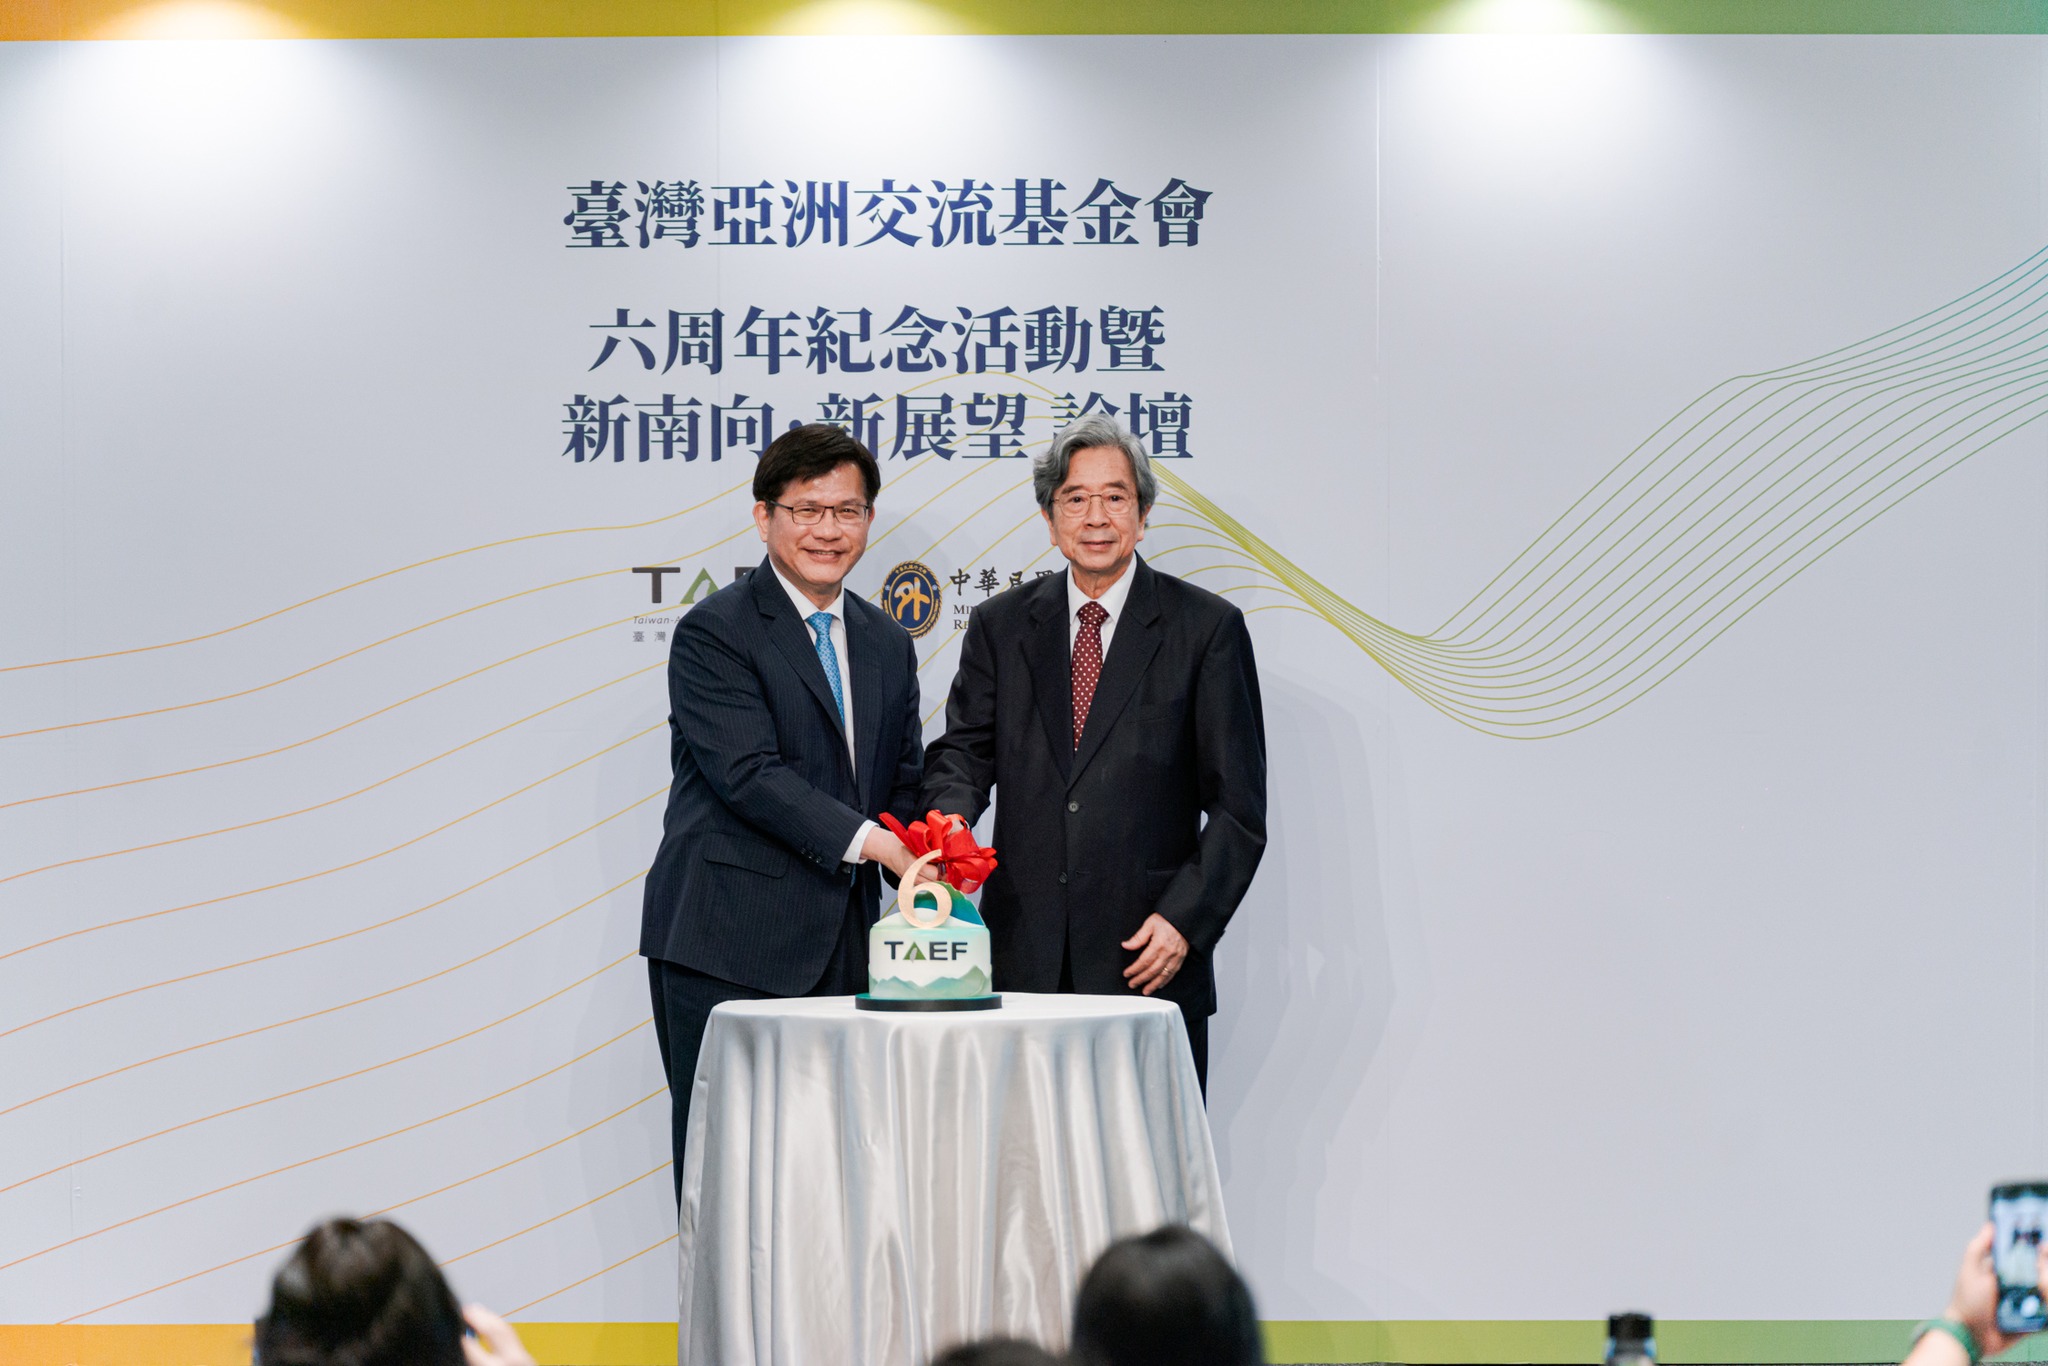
[932,951]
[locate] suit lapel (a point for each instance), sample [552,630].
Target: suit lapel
[1131,647]
[865,666]
[797,644]
[1050,658]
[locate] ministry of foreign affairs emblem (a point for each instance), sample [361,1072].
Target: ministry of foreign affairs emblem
[910,595]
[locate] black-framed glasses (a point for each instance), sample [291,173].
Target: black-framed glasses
[810,514]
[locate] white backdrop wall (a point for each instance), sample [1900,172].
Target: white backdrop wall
[1726,1004]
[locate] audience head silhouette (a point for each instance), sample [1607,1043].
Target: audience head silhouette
[996,1352]
[360,1293]
[1165,1298]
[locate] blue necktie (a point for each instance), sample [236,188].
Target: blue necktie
[821,622]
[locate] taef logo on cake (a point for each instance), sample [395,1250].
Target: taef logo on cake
[937,950]
[910,595]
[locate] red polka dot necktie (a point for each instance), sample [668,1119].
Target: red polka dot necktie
[1087,663]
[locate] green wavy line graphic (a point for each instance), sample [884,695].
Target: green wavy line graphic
[1733,497]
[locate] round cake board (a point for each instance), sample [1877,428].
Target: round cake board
[992,1001]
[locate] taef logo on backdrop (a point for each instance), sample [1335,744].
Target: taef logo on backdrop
[700,587]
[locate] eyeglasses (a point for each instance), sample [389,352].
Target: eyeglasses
[810,514]
[1074,506]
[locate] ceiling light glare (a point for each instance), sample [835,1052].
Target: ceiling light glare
[1532,16]
[878,17]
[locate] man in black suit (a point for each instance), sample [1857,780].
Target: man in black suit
[1115,711]
[792,716]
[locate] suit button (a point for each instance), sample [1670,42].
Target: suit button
[1063,878]
[1073,806]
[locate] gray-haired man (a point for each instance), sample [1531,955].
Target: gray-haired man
[1115,710]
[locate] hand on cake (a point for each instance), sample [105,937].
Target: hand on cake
[885,848]
[1164,950]
[962,863]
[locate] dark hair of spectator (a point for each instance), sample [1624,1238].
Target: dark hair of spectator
[810,451]
[360,1293]
[1165,1298]
[996,1352]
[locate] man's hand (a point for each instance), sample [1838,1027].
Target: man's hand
[885,849]
[1974,1303]
[495,1344]
[1165,949]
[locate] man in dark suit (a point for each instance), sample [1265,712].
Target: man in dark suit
[792,716]
[1115,711]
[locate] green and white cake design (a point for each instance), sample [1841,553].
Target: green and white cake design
[941,955]
[932,953]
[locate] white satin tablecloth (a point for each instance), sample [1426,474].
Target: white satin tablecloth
[870,1188]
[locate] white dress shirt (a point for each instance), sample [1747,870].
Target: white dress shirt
[805,608]
[1112,600]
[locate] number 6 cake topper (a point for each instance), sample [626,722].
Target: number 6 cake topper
[908,890]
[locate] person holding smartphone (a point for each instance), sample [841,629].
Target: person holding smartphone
[1968,1330]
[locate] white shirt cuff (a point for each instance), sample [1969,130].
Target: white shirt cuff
[860,837]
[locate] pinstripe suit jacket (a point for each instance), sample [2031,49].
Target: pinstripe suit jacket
[747,885]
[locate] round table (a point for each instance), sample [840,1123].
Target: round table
[870,1188]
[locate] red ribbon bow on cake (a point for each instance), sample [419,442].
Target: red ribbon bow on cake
[964,864]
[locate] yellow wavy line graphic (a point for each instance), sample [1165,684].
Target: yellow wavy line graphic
[332,731]
[351,654]
[331,801]
[530,1006]
[407,632]
[909,472]
[359,583]
[133,1219]
[601,1271]
[1719,509]
[252,891]
[328,1010]
[275,1248]
[556,1218]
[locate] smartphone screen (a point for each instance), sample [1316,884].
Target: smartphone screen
[2019,1213]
